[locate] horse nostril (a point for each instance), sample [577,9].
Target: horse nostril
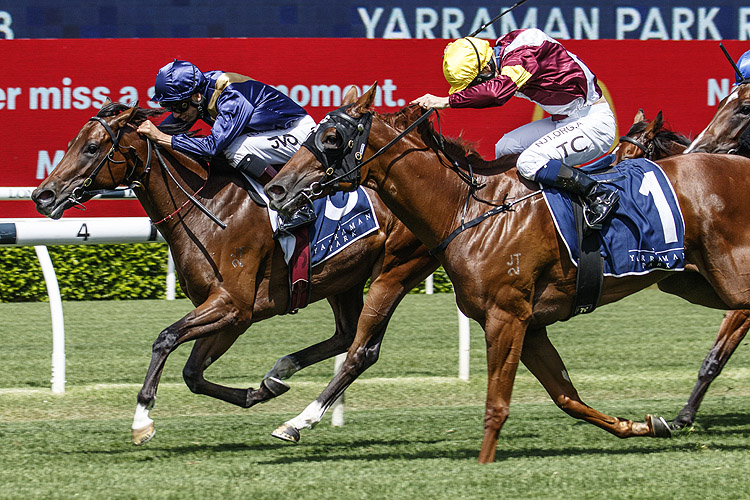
[275,190]
[44,197]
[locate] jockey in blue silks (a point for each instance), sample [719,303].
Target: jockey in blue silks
[253,125]
[743,63]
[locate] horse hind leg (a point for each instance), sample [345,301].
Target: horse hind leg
[205,352]
[544,362]
[733,329]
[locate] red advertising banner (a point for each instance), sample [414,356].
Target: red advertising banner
[50,88]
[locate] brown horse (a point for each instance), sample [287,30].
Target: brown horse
[234,276]
[724,133]
[650,138]
[511,272]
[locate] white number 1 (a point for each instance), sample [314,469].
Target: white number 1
[650,185]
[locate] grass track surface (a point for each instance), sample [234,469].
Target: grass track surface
[413,430]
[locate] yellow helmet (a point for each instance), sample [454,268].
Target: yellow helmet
[463,60]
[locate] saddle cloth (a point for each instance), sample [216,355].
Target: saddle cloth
[342,219]
[647,230]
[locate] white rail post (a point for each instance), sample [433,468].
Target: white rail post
[171,279]
[463,346]
[58,325]
[337,410]
[429,285]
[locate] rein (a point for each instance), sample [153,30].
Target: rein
[355,133]
[81,191]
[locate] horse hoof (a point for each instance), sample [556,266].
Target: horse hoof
[286,432]
[659,427]
[144,434]
[276,386]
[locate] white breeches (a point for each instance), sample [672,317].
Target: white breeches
[276,147]
[580,138]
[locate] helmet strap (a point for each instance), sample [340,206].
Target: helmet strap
[482,77]
[198,103]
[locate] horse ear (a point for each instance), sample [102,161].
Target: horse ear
[654,127]
[350,96]
[364,103]
[639,117]
[106,101]
[125,117]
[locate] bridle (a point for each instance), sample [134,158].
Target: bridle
[344,163]
[648,150]
[81,191]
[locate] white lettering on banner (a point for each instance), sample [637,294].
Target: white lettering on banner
[661,23]
[716,91]
[426,19]
[67,97]
[8,97]
[743,31]
[397,26]
[5,21]
[315,96]
[44,166]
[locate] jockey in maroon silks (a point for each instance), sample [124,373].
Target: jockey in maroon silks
[528,63]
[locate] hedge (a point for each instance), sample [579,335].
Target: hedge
[103,272]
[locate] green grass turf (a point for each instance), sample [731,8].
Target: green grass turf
[413,430]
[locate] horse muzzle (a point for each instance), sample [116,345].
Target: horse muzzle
[50,203]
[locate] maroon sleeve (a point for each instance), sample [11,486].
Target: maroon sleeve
[496,92]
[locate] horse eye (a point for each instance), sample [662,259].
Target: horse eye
[91,148]
[745,110]
[332,140]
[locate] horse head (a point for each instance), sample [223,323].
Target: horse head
[649,139]
[729,125]
[103,155]
[331,157]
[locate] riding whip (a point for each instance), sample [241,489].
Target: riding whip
[731,61]
[482,28]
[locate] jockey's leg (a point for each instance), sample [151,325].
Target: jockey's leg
[259,155]
[574,141]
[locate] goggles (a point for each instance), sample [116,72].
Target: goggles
[176,106]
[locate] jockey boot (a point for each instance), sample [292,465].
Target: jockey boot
[256,168]
[598,199]
[302,217]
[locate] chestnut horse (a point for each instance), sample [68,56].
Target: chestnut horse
[234,276]
[511,272]
[648,138]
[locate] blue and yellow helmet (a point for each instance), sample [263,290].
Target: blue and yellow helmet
[177,81]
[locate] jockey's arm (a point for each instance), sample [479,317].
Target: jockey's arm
[148,129]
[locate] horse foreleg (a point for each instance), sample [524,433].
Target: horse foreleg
[733,329]
[504,335]
[216,313]
[386,292]
[544,362]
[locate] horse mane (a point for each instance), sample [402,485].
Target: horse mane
[662,138]
[459,150]
[142,114]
